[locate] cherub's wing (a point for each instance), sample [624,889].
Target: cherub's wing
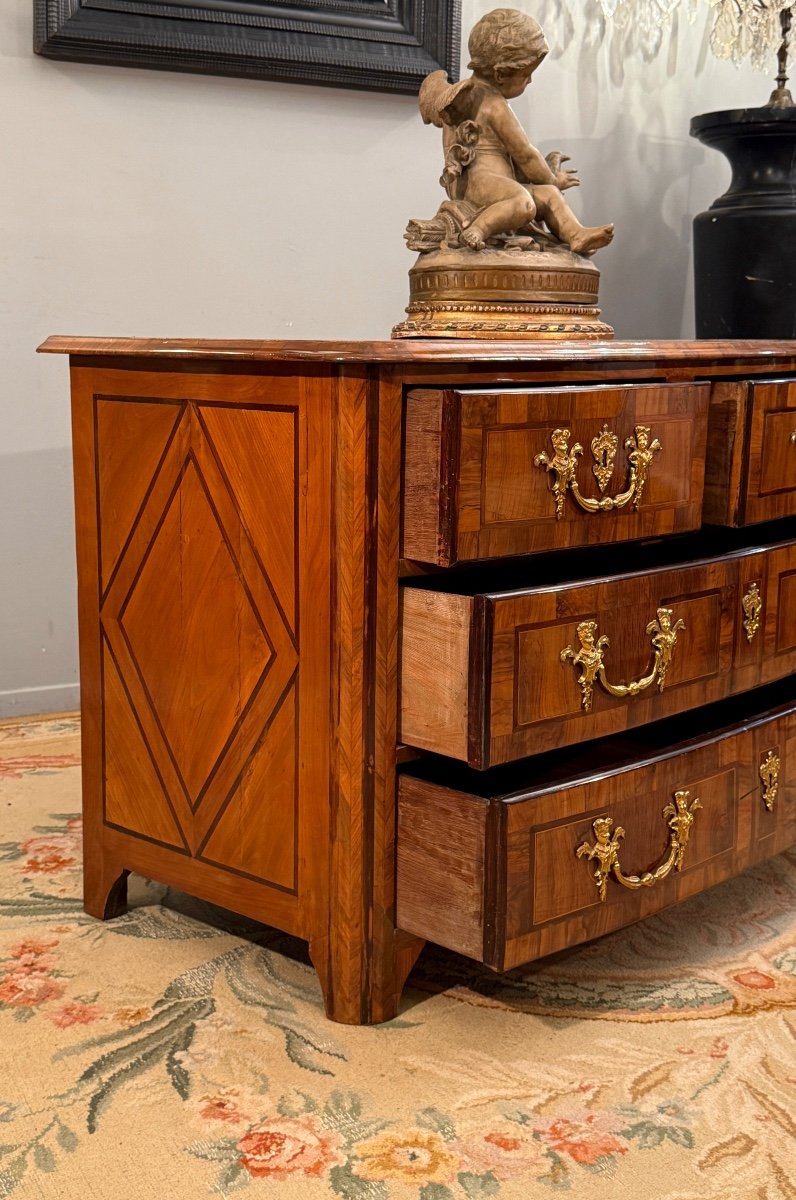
[442,103]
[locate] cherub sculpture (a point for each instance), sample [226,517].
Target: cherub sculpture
[499,186]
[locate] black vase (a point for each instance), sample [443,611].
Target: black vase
[745,244]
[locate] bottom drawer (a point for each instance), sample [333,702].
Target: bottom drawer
[511,865]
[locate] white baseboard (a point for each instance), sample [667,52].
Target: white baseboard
[27,702]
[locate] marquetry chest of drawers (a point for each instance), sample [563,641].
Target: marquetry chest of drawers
[486,644]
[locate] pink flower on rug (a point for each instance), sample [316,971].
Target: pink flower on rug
[223,1106]
[755,980]
[15,768]
[33,964]
[585,1137]
[32,946]
[412,1156]
[507,1151]
[75,824]
[29,991]
[286,1146]
[49,855]
[47,864]
[74,1012]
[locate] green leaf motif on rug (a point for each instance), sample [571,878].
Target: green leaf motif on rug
[477,1186]
[344,1183]
[436,1191]
[432,1118]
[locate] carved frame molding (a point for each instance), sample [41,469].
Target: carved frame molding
[381,45]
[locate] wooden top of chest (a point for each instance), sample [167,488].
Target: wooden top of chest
[414,352]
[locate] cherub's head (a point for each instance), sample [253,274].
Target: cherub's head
[506,46]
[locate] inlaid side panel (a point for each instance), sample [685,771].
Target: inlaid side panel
[211,520]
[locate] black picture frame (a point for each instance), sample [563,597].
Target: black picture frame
[381,45]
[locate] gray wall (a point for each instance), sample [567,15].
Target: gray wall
[148,203]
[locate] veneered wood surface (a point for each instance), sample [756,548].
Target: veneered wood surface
[771,483]
[435,660]
[725,463]
[197,408]
[759,355]
[499,879]
[472,489]
[523,699]
[203,542]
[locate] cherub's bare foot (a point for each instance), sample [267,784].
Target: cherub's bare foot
[589,240]
[473,237]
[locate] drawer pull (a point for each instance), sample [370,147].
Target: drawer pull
[563,465]
[769,776]
[605,851]
[793,438]
[752,606]
[590,657]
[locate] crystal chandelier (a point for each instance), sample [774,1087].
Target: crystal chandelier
[740,29]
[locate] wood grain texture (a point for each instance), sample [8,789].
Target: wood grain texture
[507,888]
[771,480]
[197,605]
[238,509]
[435,666]
[758,356]
[522,699]
[725,463]
[473,491]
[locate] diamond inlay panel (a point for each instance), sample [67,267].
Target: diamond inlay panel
[194,633]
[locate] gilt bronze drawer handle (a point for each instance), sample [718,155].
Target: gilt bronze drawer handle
[752,606]
[590,657]
[605,851]
[769,777]
[563,464]
[793,438]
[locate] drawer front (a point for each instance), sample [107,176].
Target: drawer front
[771,482]
[493,678]
[489,474]
[508,880]
[750,470]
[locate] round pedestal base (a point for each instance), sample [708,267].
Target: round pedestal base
[509,322]
[509,294]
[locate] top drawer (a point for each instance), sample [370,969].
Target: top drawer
[750,473]
[493,473]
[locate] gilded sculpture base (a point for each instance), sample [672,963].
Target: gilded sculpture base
[508,294]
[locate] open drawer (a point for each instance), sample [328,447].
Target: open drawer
[491,677]
[518,863]
[491,473]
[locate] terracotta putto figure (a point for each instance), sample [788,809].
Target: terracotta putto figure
[504,198]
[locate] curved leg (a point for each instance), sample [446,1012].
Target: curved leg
[381,983]
[104,891]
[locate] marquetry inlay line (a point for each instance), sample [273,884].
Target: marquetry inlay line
[109,411]
[107,653]
[290,625]
[291,689]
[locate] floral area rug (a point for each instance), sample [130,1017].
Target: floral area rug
[180,1052]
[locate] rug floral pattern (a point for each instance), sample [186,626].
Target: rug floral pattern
[181,1052]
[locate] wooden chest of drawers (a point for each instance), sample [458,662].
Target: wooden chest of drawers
[327,589]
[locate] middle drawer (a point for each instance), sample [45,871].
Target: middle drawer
[490,677]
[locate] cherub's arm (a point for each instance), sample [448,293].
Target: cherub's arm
[526,158]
